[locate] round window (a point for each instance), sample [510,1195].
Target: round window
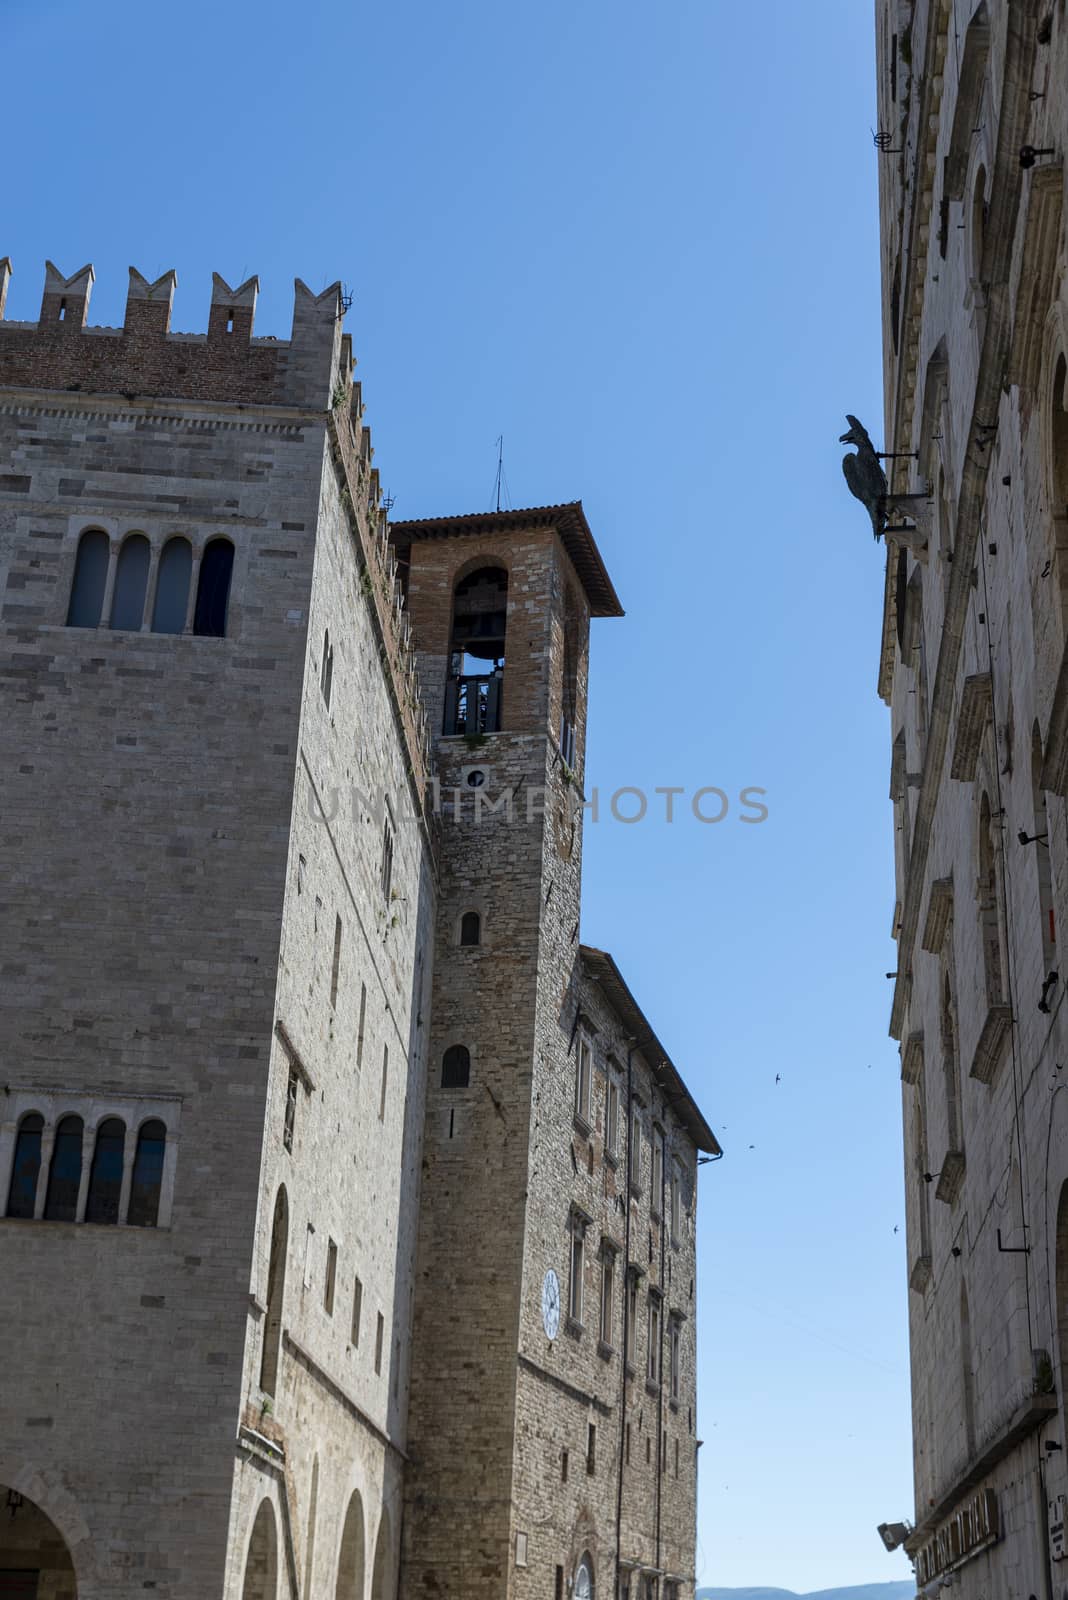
[476,778]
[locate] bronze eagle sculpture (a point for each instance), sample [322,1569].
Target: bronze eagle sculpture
[864,474]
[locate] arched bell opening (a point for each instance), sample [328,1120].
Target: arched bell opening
[473,690]
[35,1563]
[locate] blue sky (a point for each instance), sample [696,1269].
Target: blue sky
[640,243]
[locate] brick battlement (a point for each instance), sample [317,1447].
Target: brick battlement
[60,351]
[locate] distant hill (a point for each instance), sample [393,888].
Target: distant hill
[861,1591]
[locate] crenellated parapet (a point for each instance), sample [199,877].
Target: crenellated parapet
[62,351]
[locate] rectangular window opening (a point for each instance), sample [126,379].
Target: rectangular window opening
[363,1019]
[591,1449]
[380,1329]
[336,968]
[577,1263]
[563,1466]
[385,1082]
[291,1109]
[357,1307]
[331,1277]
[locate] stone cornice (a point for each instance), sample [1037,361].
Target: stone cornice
[242,417]
[996,271]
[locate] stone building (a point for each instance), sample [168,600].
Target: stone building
[347,1200]
[973,120]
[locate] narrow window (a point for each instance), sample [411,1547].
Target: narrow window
[578,1250]
[676,1208]
[147,1180]
[648,1450]
[172,587]
[105,1174]
[635,1149]
[520,1549]
[276,1290]
[676,1357]
[302,868]
[90,580]
[26,1167]
[326,671]
[380,1328]
[331,1277]
[471,928]
[564,1460]
[291,1109]
[229,322]
[626,1444]
[65,1172]
[213,589]
[387,859]
[558,1591]
[657,1184]
[611,1118]
[652,1369]
[591,1449]
[336,967]
[456,1067]
[363,1019]
[357,1307]
[385,1082]
[608,1290]
[632,1317]
[583,1079]
[990,905]
[131,584]
[62,311]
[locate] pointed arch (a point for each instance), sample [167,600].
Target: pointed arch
[383,1583]
[261,1562]
[351,1557]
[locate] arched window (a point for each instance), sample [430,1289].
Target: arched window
[1040,835]
[147,1179]
[978,222]
[989,910]
[350,1561]
[131,584]
[476,659]
[172,587]
[584,1579]
[105,1174]
[276,1292]
[90,580]
[26,1166]
[261,1563]
[65,1172]
[919,1139]
[456,1067]
[213,589]
[471,928]
[326,671]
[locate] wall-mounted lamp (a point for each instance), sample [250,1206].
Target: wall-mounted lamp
[1051,1447]
[1047,990]
[1031,838]
[1029,155]
[894,1534]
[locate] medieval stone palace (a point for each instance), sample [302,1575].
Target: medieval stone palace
[347,1199]
[971,143]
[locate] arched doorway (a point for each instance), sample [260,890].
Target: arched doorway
[584,1579]
[382,1578]
[34,1559]
[261,1563]
[350,1561]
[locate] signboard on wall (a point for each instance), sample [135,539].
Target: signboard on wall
[970,1530]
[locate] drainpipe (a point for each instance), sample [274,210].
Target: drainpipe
[626,1323]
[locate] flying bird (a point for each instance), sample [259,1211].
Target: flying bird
[864,476]
[778,1077]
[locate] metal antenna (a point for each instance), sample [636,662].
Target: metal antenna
[500,467]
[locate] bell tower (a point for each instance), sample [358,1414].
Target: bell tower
[500,606]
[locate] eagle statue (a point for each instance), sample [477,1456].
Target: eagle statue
[864,475]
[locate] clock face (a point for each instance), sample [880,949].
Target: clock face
[550,1304]
[583,1583]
